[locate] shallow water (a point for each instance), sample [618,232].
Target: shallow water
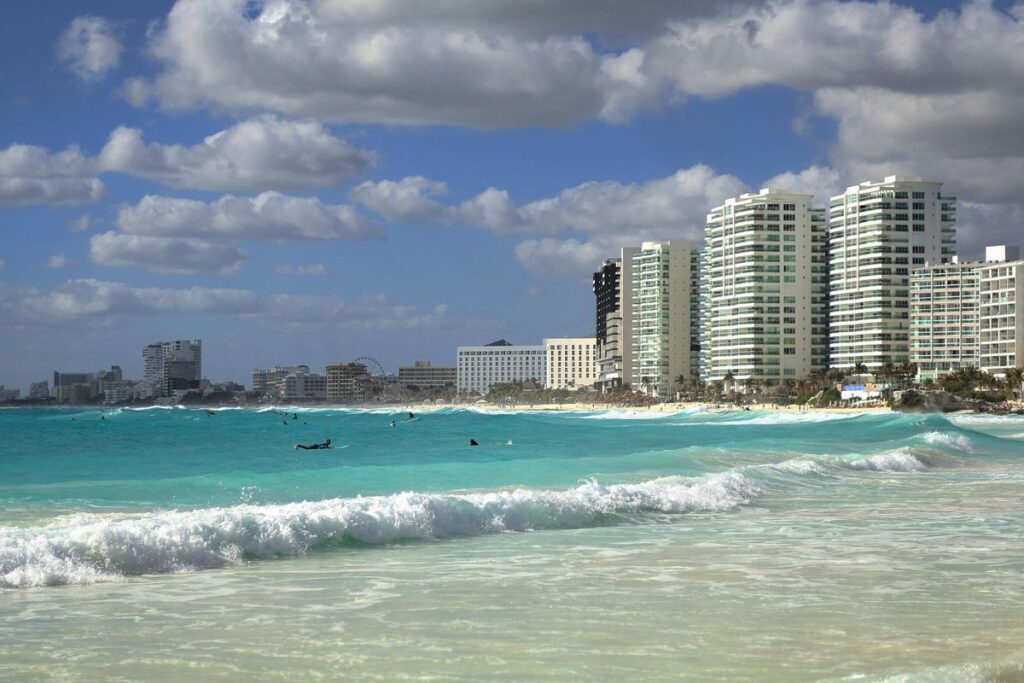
[159,544]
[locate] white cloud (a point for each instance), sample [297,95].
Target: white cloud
[821,181]
[87,300]
[164,254]
[256,154]
[58,261]
[34,175]
[89,47]
[673,207]
[269,215]
[464,63]
[314,269]
[562,257]
[80,224]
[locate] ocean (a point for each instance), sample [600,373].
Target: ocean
[169,545]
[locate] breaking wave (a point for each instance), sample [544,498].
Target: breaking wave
[88,550]
[899,460]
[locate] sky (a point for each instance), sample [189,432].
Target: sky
[312,181]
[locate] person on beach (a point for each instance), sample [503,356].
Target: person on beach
[313,446]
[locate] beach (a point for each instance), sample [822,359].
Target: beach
[690,544]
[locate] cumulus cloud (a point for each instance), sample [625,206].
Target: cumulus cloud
[34,175]
[174,255]
[89,47]
[673,206]
[315,269]
[261,153]
[58,261]
[269,215]
[87,300]
[823,182]
[464,63]
[563,257]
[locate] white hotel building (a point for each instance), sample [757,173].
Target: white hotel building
[480,367]
[765,289]
[966,315]
[665,313]
[879,232]
[571,362]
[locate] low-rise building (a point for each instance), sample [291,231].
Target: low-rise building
[39,391]
[424,376]
[9,394]
[348,382]
[571,362]
[481,367]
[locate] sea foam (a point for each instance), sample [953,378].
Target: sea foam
[107,549]
[899,460]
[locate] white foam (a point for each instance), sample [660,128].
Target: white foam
[899,460]
[773,418]
[958,442]
[798,466]
[113,547]
[633,415]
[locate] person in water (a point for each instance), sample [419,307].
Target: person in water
[392,424]
[473,442]
[411,416]
[313,446]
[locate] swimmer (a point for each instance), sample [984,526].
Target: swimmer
[313,446]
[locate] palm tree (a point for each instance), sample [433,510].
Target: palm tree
[860,368]
[645,384]
[1014,379]
[729,378]
[888,370]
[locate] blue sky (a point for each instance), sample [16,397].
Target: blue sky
[395,179]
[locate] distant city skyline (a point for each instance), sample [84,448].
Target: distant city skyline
[410,181]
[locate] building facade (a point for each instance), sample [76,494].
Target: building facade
[481,367]
[571,362]
[944,318]
[613,296]
[424,376]
[965,315]
[348,382]
[665,327]
[765,289]
[170,366]
[39,391]
[878,233]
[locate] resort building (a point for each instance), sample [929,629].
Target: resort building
[39,391]
[965,315]
[944,318]
[878,233]
[1001,291]
[9,394]
[765,289]
[613,324]
[481,367]
[348,382]
[571,362]
[294,383]
[424,376]
[665,326]
[170,366]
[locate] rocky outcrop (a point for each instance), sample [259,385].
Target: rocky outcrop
[919,401]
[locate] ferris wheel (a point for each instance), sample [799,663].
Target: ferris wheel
[372,364]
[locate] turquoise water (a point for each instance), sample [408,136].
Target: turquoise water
[163,543]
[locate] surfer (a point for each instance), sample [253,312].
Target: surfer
[473,442]
[313,446]
[392,424]
[211,412]
[411,416]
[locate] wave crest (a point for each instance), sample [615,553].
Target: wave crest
[202,539]
[899,460]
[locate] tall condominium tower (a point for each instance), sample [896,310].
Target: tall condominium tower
[614,316]
[171,365]
[765,288]
[878,232]
[665,314]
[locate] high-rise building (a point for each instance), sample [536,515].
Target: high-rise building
[293,382]
[348,382]
[944,318]
[878,233]
[39,391]
[424,376]
[665,316]
[571,362]
[481,367]
[965,315]
[172,365]
[765,289]
[613,320]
